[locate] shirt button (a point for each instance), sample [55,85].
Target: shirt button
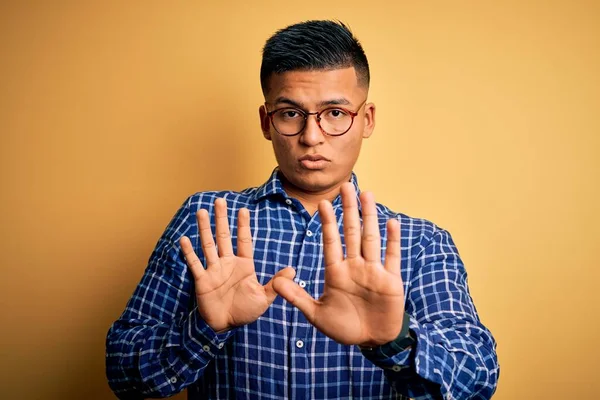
[288,202]
[396,368]
[221,345]
[302,284]
[206,348]
[299,344]
[173,380]
[309,233]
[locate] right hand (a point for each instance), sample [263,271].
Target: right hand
[227,291]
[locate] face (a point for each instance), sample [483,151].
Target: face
[313,162]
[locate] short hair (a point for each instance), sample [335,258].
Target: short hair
[313,45]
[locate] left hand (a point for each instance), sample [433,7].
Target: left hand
[363,300]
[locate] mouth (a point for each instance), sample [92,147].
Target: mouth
[313,157]
[314,161]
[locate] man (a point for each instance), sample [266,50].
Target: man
[237,318]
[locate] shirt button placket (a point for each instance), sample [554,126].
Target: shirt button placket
[301,375]
[299,371]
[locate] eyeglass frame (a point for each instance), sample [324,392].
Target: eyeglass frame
[317,114]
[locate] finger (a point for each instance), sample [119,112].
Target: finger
[206,239]
[191,259]
[371,239]
[332,244]
[222,227]
[244,236]
[287,273]
[352,229]
[295,295]
[392,251]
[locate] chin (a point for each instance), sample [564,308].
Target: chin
[311,180]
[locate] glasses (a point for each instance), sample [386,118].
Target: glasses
[333,121]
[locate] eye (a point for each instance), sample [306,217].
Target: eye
[289,113]
[336,113]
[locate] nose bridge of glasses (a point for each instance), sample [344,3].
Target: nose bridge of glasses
[317,115]
[317,120]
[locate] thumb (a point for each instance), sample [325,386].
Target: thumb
[286,273]
[298,297]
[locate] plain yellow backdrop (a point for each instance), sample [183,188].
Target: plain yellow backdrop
[112,113]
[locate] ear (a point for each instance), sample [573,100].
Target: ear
[265,122]
[369,120]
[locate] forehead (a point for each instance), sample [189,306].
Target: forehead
[313,86]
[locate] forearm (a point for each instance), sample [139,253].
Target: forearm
[146,358]
[445,362]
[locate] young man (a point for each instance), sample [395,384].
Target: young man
[393,319]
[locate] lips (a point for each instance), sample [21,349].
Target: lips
[314,157]
[314,162]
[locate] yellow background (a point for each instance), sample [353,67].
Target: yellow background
[111,113]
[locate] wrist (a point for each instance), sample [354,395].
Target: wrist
[218,326]
[403,341]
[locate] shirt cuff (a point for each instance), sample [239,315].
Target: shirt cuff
[200,340]
[395,355]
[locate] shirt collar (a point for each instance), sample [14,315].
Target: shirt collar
[274,187]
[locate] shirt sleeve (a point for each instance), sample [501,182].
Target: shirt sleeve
[160,344]
[454,356]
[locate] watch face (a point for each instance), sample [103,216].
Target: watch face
[406,342]
[401,343]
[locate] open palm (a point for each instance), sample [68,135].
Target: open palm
[227,291]
[363,300]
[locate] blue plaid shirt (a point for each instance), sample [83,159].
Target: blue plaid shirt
[161,345]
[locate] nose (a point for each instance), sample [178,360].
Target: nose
[312,135]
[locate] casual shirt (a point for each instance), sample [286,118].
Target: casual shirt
[161,345]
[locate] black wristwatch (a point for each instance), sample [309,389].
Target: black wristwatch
[403,341]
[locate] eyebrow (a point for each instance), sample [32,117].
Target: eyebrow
[332,102]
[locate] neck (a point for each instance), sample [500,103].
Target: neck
[309,199]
